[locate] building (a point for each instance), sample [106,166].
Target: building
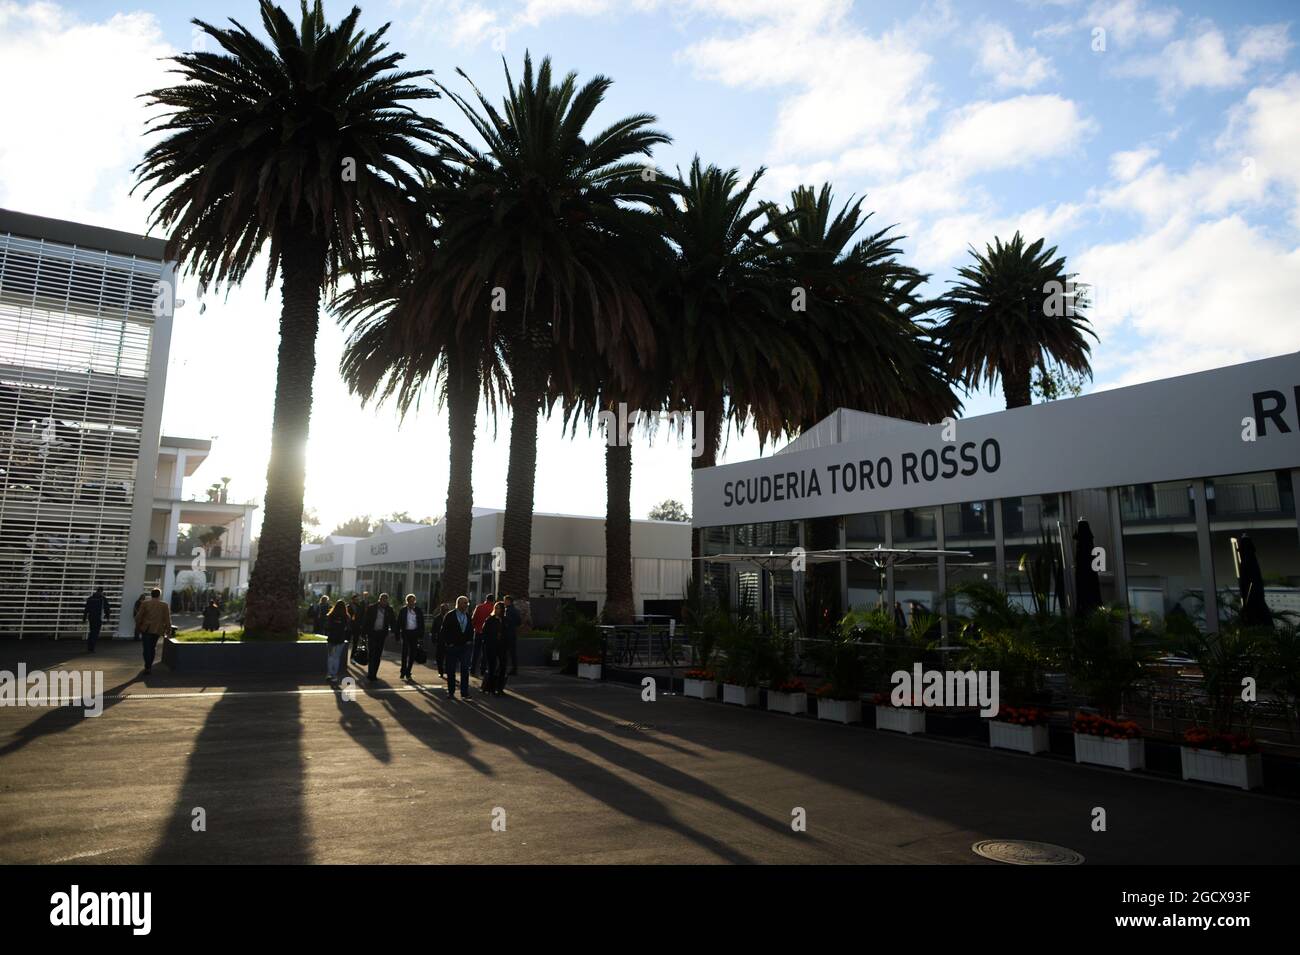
[85,327]
[195,532]
[1166,473]
[568,561]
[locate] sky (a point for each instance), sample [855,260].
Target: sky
[1154,144]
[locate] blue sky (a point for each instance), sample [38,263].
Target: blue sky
[1153,143]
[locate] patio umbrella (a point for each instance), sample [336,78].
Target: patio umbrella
[1087,583]
[1250,579]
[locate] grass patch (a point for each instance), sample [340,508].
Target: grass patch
[237,636]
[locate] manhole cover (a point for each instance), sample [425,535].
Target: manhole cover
[636,727]
[1020,852]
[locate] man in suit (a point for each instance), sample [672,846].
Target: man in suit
[457,634]
[380,620]
[510,632]
[153,620]
[96,612]
[481,613]
[410,624]
[136,609]
[439,648]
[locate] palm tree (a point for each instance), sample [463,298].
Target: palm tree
[534,244]
[1016,309]
[863,325]
[406,339]
[303,147]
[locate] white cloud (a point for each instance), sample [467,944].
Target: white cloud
[1010,65]
[1126,164]
[1203,60]
[1013,132]
[1128,22]
[1218,293]
[72,122]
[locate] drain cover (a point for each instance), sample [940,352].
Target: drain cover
[1020,852]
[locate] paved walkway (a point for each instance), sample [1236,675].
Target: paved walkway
[583,772]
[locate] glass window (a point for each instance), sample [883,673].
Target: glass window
[916,582]
[866,589]
[969,527]
[1261,506]
[1161,556]
[1027,524]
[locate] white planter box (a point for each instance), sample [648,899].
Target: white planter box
[702,689]
[740,695]
[1023,739]
[1230,769]
[589,671]
[841,711]
[1126,754]
[900,719]
[796,704]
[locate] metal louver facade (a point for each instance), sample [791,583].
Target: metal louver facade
[83,361]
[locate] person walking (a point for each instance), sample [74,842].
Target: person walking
[510,630]
[338,627]
[153,620]
[456,633]
[380,621]
[494,646]
[144,595]
[96,612]
[318,613]
[439,645]
[481,613]
[356,613]
[410,624]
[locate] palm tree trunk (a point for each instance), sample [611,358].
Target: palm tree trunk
[1015,387]
[462,413]
[274,588]
[620,606]
[706,434]
[527,379]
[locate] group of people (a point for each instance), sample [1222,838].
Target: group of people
[152,616]
[483,642]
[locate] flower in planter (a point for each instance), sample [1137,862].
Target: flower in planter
[589,661]
[1022,715]
[790,686]
[700,675]
[1198,737]
[1093,725]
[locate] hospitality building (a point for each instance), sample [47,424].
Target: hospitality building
[85,327]
[567,561]
[1166,473]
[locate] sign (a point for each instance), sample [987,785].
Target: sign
[377,549]
[1227,421]
[327,557]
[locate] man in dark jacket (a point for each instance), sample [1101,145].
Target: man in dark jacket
[136,609]
[96,612]
[380,620]
[357,609]
[457,634]
[510,631]
[410,624]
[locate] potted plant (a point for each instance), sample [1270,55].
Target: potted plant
[589,667]
[903,718]
[837,705]
[743,650]
[1218,753]
[701,683]
[576,636]
[1229,758]
[786,693]
[1107,742]
[840,659]
[1019,728]
[788,696]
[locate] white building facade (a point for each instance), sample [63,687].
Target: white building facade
[567,561]
[85,328]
